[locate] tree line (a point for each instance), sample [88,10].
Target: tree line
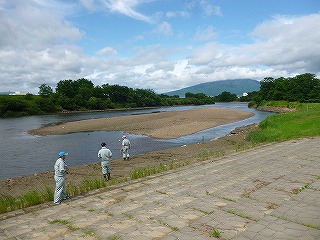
[82,95]
[303,88]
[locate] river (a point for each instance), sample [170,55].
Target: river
[23,154]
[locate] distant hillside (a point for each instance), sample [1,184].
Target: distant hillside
[235,86]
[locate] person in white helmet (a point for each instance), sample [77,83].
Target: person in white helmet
[125,147]
[105,156]
[60,172]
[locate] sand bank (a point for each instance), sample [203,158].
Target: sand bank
[162,125]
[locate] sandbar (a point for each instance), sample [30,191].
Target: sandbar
[160,125]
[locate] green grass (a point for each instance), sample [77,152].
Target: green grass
[8,203]
[114,238]
[302,123]
[70,226]
[173,228]
[147,171]
[205,155]
[239,214]
[85,186]
[215,233]
[89,232]
[298,190]
[280,104]
[60,221]
[31,198]
[312,226]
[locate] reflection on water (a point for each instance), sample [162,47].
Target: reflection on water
[23,154]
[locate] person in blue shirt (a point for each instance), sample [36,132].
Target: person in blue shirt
[60,172]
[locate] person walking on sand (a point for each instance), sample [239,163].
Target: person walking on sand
[105,155]
[125,147]
[60,172]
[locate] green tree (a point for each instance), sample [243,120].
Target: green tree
[189,95]
[46,105]
[45,90]
[96,103]
[267,87]
[301,88]
[99,92]
[145,98]
[66,88]
[118,94]
[85,88]
[67,103]
[226,97]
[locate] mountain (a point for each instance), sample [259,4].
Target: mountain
[235,86]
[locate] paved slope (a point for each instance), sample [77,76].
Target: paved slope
[270,192]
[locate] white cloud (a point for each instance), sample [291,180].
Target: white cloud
[205,34]
[30,26]
[210,9]
[164,28]
[127,7]
[170,14]
[38,45]
[107,51]
[207,8]
[179,68]
[208,53]
[191,4]
[285,43]
[88,4]
[149,54]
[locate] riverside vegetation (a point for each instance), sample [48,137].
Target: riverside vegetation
[82,95]
[304,122]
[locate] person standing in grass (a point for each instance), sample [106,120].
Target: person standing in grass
[105,156]
[60,172]
[125,147]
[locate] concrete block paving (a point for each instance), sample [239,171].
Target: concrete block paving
[269,192]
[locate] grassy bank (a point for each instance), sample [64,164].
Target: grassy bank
[304,122]
[32,198]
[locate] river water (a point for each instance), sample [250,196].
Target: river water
[23,154]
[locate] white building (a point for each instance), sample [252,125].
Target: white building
[18,93]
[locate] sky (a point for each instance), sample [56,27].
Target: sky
[163,45]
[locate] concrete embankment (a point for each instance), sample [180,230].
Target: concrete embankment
[271,192]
